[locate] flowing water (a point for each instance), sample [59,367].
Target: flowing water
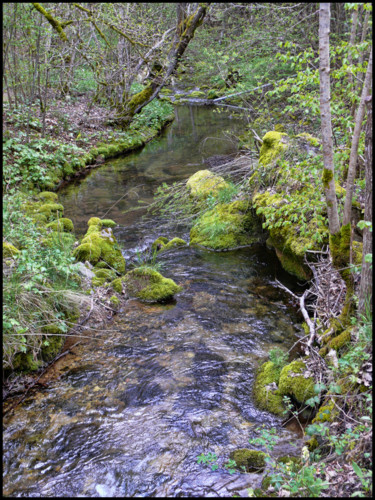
[136,404]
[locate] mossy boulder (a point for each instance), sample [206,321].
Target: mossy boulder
[64,225]
[9,250]
[149,285]
[274,143]
[47,196]
[266,395]
[297,382]
[50,210]
[227,226]
[252,460]
[108,223]
[107,274]
[197,93]
[161,244]
[205,182]
[100,245]
[117,285]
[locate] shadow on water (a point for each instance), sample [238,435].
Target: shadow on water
[165,383]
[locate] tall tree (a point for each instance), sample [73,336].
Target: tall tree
[326,123]
[365,291]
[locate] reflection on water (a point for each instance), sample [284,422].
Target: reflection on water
[139,402]
[196,133]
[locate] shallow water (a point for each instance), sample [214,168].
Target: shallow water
[139,402]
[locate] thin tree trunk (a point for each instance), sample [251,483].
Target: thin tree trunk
[365,290]
[355,141]
[325,113]
[352,41]
[361,58]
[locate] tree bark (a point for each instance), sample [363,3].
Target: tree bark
[352,41]
[355,141]
[326,125]
[365,290]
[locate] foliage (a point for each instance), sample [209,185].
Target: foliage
[279,358]
[40,288]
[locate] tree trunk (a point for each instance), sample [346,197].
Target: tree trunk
[140,100]
[325,113]
[365,291]
[355,141]
[352,41]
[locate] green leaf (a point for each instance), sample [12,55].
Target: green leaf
[357,470]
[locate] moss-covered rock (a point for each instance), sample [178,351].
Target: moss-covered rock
[64,225]
[25,362]
[205,182]
[100,245]
[162,243]
[274,143]
[197,93]
[55,341]
[252,460]
[266,396]
[98,281]
[9,250]
[336,342]
[297,382]
[226,226]
[327,412]
[107,274]
[108,223]
[47,196]
[51,210]
[117,285]
[149,285]
[114,301]
[313,141]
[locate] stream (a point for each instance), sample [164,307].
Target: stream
[137,403]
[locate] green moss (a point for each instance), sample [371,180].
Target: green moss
[95,221]
[327,177]
[98,281]
[9,250]
[47,196]
[115,301]
[100,245]
[163,243]
[266,398]
[101,265]
[56,238]
[117,285]
[293,266]
[212,94]
[40,219]
[312,443]
[313,141]
[252,460]
[149,285]
[51,209]
[197,93]
[205,182]
[293,383]
[341,340]
[55,341]
[279,127]
[108,223]
[25,362]
[139,98]
[63,224]
[226,226]
[107,274]
[326,413]
[87,251]
[273,145]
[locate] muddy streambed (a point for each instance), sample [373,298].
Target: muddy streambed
[137,403]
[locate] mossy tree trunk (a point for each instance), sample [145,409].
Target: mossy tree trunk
[184,34]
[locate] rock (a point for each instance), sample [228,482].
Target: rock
[149,285]
[205,182]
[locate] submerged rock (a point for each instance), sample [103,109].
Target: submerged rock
[149,285]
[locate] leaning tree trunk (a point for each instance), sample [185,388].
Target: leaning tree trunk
[355,142]
[326,125]
[365,290]
[184,33]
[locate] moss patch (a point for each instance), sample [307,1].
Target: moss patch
[266,398]
[9,250]
[252,460]
[64,224]
[226,226]
[205,182]
[274,143]
[162,243]
[149,285]
[47,196]
[296,383]
[108,223]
